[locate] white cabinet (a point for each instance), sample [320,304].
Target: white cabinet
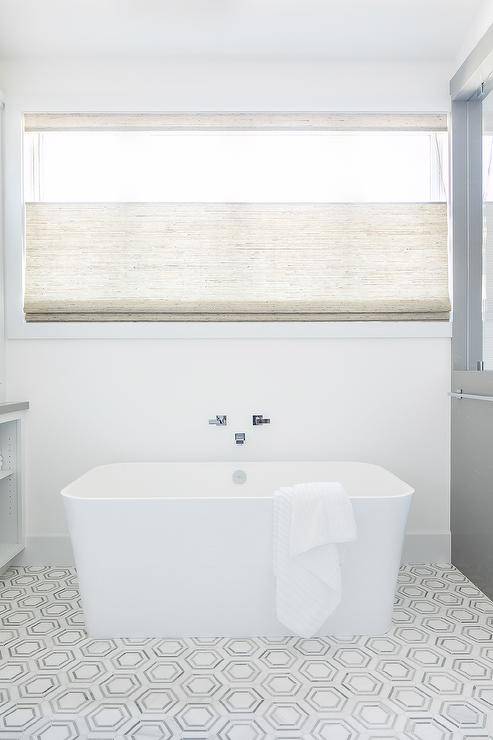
[11,480]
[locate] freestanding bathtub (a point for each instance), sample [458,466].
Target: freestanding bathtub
[185,549]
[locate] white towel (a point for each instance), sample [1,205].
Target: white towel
[309,519]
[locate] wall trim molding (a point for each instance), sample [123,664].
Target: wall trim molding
[231,330]
[46,550]
[419,547]
[427,547]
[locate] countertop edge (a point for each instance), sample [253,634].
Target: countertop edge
[6,407]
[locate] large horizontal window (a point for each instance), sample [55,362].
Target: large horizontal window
[235,217]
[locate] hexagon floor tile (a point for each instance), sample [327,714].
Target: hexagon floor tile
[429,678]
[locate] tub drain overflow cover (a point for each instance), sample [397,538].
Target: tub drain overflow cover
[239,476]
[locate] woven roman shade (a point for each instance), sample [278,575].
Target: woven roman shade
[280,121]
[159,261]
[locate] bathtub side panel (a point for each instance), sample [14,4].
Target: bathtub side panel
[174,568]
[370,567]
[204,567]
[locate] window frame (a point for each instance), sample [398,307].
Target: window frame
[468,87]
[18,328]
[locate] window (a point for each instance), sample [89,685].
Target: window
[245,217]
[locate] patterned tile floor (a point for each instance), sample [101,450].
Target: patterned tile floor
[430,678]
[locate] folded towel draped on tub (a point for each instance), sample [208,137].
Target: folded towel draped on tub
[309,520]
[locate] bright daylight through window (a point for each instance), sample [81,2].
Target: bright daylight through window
[235,217]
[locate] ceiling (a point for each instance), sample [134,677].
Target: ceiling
[329,29]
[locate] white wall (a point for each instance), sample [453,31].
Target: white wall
[480,23]
[227,84]
[96,401]
[99,401]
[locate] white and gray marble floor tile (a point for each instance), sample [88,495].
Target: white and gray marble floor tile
[430,678]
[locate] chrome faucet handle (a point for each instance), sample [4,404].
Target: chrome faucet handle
[219,421]
[240,438]
[258,419]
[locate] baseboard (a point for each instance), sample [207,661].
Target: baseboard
[419,547]
[46,550]
[426,547]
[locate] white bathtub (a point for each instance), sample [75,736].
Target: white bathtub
[185,549]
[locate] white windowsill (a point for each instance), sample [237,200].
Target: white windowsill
[232,330]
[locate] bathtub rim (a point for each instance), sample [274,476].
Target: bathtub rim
[69,495]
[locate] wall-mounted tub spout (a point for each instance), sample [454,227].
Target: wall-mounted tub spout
[240,438]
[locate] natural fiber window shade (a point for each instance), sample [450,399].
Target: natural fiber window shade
[235,262]
[235,121]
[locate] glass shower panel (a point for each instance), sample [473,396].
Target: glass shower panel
[487,303]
